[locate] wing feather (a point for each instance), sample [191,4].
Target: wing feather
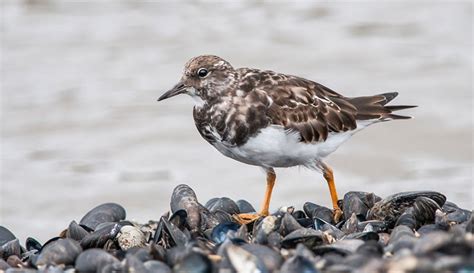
[308,108]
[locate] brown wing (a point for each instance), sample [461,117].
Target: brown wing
[307,107]
[312,109]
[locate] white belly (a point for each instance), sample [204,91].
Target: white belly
[275,147]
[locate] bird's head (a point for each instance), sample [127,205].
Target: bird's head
[205,78]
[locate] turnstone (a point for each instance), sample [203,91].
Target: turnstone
[274,120]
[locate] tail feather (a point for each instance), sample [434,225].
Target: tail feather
[388,96]
[394,116]
[399,107]
[374,107]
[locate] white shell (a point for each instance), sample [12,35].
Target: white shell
[129,237]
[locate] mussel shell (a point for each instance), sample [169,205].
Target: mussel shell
[245,206]
[6,235]
[157,252]
[168,235]
[342,247]
[76,232]
[443,242]
[3,265]
[242,233]
[223,217]
[142,253]
[175,254]
[288,224]
[263,228]
[370,248]
[194,263]
[179,219]
[391,207]
[274,240]
[454,214]
[459,216]
[372,225]
[449,207]
[271,259]
[320,224]
[303,251]
[111,268]
[223,204]
[108,212]
[309,237]
[134,265]
[350,224]
[407,219]
[365,236]
[208,220]
[101,236]
[298,264]
[91,259]
[399,232]
[330,259]
[184,198]
[211,202]
[402,237]
[299,214]
[403,246]
[358,203]
[442,221]
[32,244]
[10,248]
[423,230]
[219,233]
[61,251]
[242,260]
[157,266]
[266,224]
[305,222]
[355,261]
[317,211]
[424,209]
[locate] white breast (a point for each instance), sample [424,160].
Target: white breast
[276,147]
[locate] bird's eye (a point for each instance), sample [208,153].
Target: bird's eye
[202,72]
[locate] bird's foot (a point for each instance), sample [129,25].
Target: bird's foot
[337,214]
[247,218]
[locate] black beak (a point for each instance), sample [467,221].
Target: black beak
[176,90]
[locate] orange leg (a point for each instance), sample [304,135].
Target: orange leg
[271,177]
[329,176]
[245,218]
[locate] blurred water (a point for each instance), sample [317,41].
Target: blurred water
[81,125]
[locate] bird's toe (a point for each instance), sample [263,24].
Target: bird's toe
[247,218]
[337,214]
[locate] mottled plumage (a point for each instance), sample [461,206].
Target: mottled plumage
[245,100]
[269,119]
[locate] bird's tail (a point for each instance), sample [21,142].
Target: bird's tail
[374,107]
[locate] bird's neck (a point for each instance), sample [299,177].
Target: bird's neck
[198,101]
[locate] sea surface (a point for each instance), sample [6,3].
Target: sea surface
[80,124]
